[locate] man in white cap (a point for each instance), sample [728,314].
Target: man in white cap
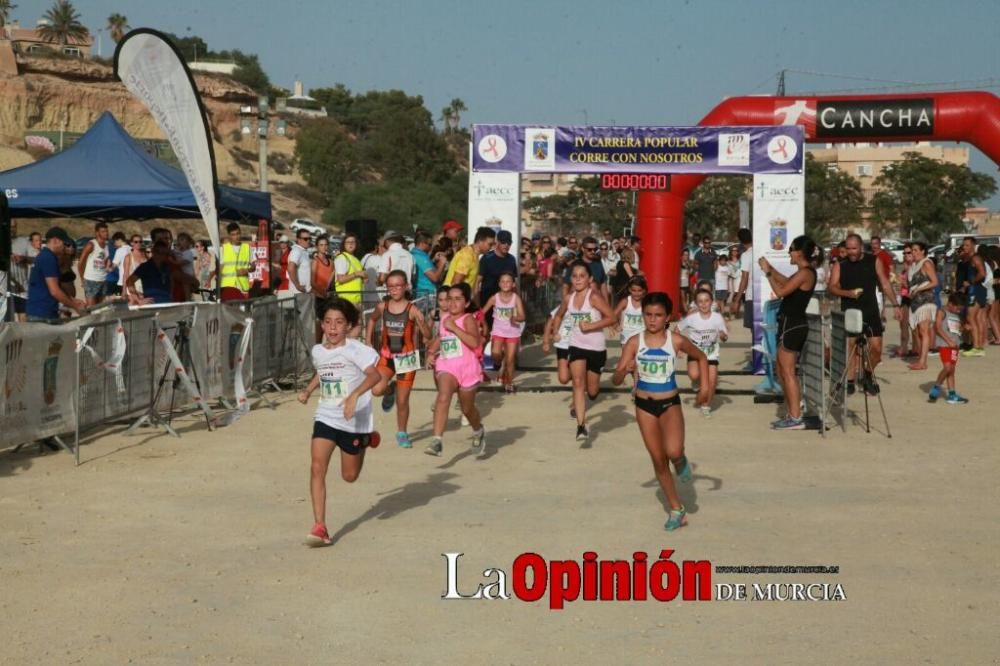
[395,258]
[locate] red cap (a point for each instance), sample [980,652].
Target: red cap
[451,224]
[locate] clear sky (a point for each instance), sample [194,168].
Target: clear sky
[663,62]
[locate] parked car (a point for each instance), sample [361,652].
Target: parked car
[895,247]
[81,242]
[305,224]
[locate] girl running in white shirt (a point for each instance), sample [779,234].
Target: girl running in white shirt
[705,329]
[557,332]
[587,345]
[345,375]
[628,313]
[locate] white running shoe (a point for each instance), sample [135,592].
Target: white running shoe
[706,411]
[479,442]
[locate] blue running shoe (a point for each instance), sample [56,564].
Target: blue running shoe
[389,399]
[683,468]
[403,439]
[934,393]
[955,399]
[788,423]
[678,518]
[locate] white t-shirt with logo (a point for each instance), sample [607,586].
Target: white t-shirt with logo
[341,370]
[704,332]
[96,269]
[746,266]
[300,257]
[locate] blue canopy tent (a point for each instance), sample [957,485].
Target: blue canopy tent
[107,175]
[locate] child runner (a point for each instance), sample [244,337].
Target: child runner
[559,330]
[345,374]
[399,357]
[439,311]
[702,285]
[587,346]
[722,283]
[653,355]
[508,323]
[705,328]
[948,325]
[629,311]
[453,356]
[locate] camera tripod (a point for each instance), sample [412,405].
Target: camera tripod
[181,343]
[862,355]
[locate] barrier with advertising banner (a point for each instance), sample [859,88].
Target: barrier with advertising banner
[148,363]
[38,369]
[115,357]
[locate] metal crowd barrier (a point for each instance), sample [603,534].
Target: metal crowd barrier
[812,367]
[104,368]
[115,368]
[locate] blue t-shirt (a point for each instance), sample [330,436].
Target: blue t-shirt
[155,281]
[41,303]
[596,272]
[423,263]
[491,267]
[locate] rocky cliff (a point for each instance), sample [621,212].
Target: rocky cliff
[50,94]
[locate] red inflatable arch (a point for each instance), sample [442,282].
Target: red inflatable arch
[951,116]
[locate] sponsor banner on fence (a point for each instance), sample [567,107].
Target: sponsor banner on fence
[236,333]
[38,370]
[581,149]
[207,356]
[778,217]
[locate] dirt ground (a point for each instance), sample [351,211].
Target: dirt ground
[173,551]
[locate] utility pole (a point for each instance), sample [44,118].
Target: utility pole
[781,83]
[262,127]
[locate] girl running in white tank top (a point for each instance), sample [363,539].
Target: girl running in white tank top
[587,346]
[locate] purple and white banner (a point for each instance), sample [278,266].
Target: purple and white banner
[582,149]
[778,218]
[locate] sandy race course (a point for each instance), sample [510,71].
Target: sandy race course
[173,551]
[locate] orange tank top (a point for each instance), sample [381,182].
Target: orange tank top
[323,278]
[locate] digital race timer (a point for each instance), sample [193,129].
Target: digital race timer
[635,181]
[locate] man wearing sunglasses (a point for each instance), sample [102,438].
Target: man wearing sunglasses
[589,254]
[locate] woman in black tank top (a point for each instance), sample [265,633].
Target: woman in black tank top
[795,291]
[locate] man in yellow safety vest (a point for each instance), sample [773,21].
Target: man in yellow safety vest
[234,266]
[349,277]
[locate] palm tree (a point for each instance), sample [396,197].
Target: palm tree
[63,24]
[5,9]
[447,115]
[457,106]
[117,26]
